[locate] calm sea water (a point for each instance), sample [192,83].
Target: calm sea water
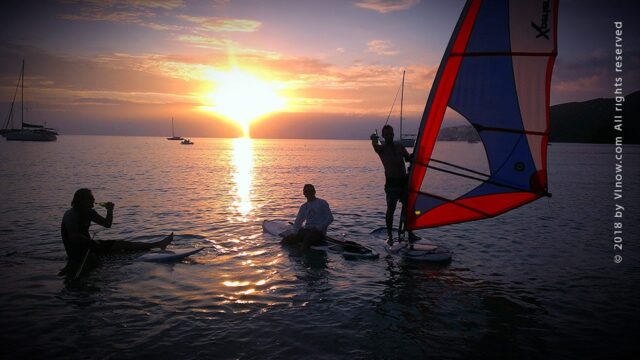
[539,282]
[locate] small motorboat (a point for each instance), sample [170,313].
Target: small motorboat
[186,142]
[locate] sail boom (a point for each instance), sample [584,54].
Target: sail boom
[502,53]
[487,181]
[515,131]
[458,167]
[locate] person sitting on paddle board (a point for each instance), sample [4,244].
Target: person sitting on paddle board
[393,156]
[316,216]
[75,231]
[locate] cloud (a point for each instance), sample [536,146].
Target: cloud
[583,84]
[111,82]
[317,86]
[225,48]
[120,98]
[136,4]
[218,24]
[128,17]
[206,41]
[381,47]
[102,15]
[385,6]
[146,13]
[139,12]
[55,79]
[591,76]
[100,101]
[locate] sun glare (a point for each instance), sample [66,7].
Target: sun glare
[243,98]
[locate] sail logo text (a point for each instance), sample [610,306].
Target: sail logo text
[543,29]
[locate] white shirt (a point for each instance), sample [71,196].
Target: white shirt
[317,215]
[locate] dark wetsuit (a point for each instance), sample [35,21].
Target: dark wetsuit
[393,159]
[75,222]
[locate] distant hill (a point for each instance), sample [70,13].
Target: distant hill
[581,122]
[459,133]
[592,121]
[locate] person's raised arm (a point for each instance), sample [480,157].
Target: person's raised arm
[374,142]
[98,219]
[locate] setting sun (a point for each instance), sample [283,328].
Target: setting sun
[241,97]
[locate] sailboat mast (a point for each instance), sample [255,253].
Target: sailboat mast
[401,101]
[22,98]
[172,131]
[13,103]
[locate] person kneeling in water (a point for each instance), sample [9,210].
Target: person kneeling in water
[316,216]
[75,231]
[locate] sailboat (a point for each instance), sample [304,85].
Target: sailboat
[406,140]
[496,74]
[27,132]
[173,135]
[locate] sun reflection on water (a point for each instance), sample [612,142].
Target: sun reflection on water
[243,176]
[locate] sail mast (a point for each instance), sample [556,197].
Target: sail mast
[401,101]
[13,103]
[22,98]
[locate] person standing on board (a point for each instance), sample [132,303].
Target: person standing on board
[393,156]
[316,216]
[75,231]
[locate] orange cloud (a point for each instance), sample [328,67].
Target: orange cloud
[206,41]
[385,6]
[223,25]
[108,81]
[381,47]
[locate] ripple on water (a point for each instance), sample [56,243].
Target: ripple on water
[534,282]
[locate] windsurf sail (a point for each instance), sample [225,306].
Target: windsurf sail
[496,74]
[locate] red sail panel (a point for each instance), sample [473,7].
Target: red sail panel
[475,208]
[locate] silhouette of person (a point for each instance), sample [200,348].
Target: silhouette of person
[393,156]
[312,221]
[75,231]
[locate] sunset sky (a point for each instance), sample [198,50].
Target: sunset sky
[313,69]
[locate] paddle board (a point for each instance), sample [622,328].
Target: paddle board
[277,227]
[348,249]
[420,250]
[168,255]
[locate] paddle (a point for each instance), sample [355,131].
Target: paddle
[86,255]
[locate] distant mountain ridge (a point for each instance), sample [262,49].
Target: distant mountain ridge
[459,133]
[592,121]
[577,122]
